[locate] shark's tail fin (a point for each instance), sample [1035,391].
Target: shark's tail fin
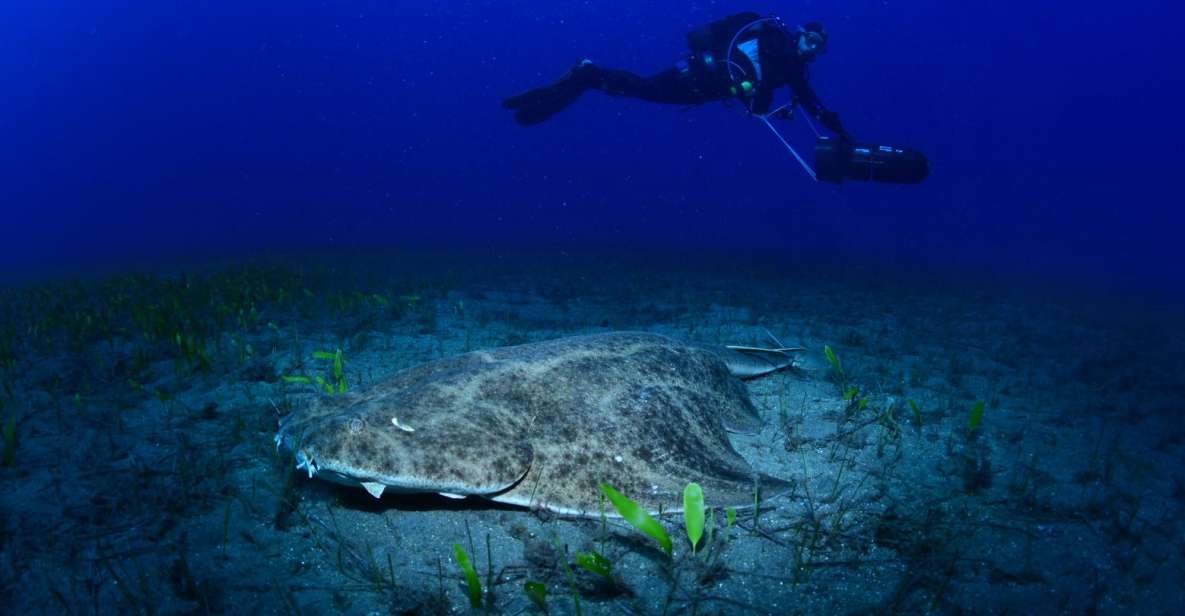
[747,362]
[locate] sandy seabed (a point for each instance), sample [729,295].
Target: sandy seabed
[140,476]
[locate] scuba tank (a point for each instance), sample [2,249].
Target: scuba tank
[836,160]
[715,45]
[715,36]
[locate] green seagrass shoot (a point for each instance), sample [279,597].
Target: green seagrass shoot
[334,385]
[594,562]
[693,513]
[975,420]
[473,584]
[638,518]
[537,593]
[836,366]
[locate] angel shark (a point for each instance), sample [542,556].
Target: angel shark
[543,425]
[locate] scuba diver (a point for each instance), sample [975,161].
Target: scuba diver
[744,56]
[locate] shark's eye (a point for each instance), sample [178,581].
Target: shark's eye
[354,425]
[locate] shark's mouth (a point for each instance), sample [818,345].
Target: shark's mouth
[285,440]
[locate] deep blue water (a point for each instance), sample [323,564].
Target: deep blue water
[145,130]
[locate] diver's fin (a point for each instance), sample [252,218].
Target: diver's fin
[537,105]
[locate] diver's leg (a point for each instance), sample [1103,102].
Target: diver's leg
[673,86]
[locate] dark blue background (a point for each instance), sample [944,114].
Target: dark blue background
[159,129]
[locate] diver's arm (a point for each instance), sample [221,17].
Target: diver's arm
[762,99]
[806,98]
[830,119]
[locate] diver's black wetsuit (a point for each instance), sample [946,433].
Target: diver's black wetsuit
[703,77]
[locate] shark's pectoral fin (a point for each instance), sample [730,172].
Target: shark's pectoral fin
[375,489]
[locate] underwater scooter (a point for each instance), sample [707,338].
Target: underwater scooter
[836,161]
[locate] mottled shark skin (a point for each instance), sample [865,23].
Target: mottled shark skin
[542,425]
